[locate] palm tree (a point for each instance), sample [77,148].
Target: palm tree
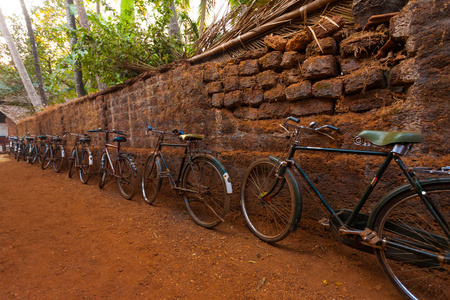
[37,65]
[32,95]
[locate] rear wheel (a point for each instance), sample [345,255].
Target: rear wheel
[127,178]
[85,166]
[72,162]
[151,181]
[207,201]
[58,158]
[415,246]
[41,151]
[34,154]
[269,216]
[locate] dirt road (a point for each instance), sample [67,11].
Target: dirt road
[60,239]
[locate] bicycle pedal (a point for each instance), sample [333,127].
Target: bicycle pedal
[325,222]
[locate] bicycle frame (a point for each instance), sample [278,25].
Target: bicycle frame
[389,156]
[105,150]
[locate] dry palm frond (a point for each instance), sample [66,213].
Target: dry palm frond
[233,26]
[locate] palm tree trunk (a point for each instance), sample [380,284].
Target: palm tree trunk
[174,27]
[32,95]
[78,75]
[202,18]
[37,65]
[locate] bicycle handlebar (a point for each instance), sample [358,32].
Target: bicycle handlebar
[174,132]
[313,126]
[108,131]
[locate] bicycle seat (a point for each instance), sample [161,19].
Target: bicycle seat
[383,138]
[85,139]
[57,139]
[120,139]
[191,137]
[43,137]
[29,138]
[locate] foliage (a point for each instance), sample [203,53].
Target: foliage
[10,82]
[120,50]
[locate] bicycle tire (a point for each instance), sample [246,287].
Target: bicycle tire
[404,220]
[103,170]
[58,158]
[34,154]
[21,152]
[271,219]
[72,162]
[29,156]
[41,151]
[210,203]
[85,166]
[127,179]
[151,180]
[46,159]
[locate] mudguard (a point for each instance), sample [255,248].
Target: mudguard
[394,193]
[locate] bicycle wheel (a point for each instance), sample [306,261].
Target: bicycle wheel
[271,217]
[47,158]
[72,162]
[151,181]
[404,221]
[29,156]
[103,170]
[58,157]
[127,179]
[85,166]
[34,154]
[208,201]
[40,152]
[21,153]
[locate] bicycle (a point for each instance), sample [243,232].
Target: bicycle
[81,157]
[202,178]
[41,147]
[12,145]
[54,153]
[124,168]
[30,155]
[408,229]
[22,147]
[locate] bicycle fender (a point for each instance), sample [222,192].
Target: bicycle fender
[297,194]
[402,189]
[222,170]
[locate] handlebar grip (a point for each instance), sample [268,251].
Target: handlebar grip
[294,119]
[332,127]
[149,128]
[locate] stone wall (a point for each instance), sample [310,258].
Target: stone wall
[393,76]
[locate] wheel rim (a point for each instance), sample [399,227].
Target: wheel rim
[85,168]
[150,181]
[125,181]
[409,223]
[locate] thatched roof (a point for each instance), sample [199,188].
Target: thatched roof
[238,32]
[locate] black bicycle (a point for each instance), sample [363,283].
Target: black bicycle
[54,154]
[202,179]
[408,229]
[81,157]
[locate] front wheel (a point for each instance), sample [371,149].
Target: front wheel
[85,166]
[415,249]
[127,179]
[72,159]
[151,181]
[46,159]
[271,204]
[58,158]
[205,194]
[40,152]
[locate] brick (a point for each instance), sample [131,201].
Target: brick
[248,113]
[365,101]
[217,100]
[214,87]
[273,110]
[330,88]
[278,93]
[233,99]
[364,79]
[247,82]
[301,90]
[267,79]
[271,60]
[405,73]
[327,27]
[361,44]
[311,106]
[230,70]
[290,76]
[291,59]
[254,54]
[328,46]
[248,67]
[299,41]
[350,64]
[230,84]
[253,97]
[275,42]
[320,67]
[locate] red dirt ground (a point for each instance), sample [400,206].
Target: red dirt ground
[60,239]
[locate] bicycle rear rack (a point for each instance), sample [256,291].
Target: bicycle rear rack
[425,170]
